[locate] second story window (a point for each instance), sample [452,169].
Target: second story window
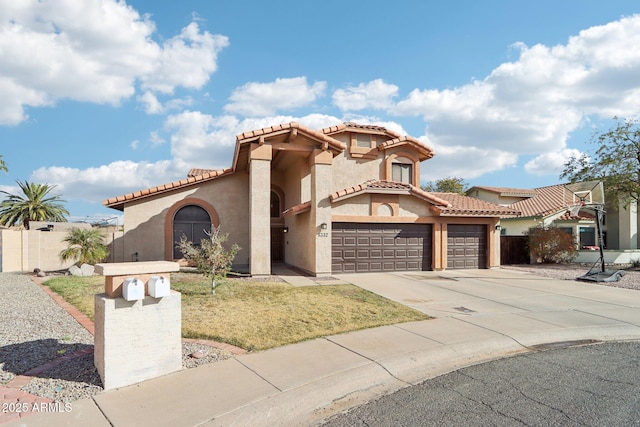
[402,172]
[363,140]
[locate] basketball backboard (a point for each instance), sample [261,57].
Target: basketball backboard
[586,193]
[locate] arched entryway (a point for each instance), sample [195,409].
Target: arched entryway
[193,222]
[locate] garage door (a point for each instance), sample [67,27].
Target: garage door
[360,248]
[466,246]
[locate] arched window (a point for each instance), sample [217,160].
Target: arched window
[276,208]
[193,222]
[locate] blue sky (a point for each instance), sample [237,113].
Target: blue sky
[102,98]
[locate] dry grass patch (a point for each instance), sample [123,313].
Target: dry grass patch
[258,315]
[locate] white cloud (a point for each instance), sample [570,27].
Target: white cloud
[150,103]
[186,60]
[135,144]
[551,163]
[531,106]
[156,139]
[375,95]
[98,183]
[464,162]
[92,51]
[264,99]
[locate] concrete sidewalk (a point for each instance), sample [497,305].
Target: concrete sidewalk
[480,315]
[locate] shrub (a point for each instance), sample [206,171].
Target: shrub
[85,246]
[210,256]
[552,245]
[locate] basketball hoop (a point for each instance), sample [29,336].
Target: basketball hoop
[574,209]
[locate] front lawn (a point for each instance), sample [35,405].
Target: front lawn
[258,315]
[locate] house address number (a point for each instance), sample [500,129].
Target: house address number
[323,234]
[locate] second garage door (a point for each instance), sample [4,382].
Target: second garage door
[359,248]
[466,246]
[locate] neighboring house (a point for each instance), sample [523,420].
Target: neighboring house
[544,207]
[342,199]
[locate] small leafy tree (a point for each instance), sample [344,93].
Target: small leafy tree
[211,256]
[551,245]
[85,245]
[615,162]
[447,185]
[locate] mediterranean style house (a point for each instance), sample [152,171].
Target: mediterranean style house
[344,199]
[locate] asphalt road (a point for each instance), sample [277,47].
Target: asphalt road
[591,385]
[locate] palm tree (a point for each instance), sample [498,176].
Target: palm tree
[85,246]
[36,205]
[3,165]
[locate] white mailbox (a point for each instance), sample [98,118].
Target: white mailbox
[159,286]
[133,289]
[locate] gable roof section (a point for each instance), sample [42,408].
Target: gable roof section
[460,205]
[444,204]
[547,201]
[387,187]
[506,192]
[287,132]
[396,140]
[207,175]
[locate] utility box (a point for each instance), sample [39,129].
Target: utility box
[133,289]
[159,286]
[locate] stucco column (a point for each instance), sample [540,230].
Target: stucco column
[259,212]
[321,185]
[628,225]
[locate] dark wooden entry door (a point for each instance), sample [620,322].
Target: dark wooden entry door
[277,244]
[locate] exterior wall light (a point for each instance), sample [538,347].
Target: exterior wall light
[286,229]
[498,227]
[323,226]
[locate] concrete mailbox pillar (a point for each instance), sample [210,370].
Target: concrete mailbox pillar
[137,335]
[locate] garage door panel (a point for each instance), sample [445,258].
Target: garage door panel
[381,247]
[466,246]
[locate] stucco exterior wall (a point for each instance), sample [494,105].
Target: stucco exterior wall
[347,174]
[145,220]
[26,250]
[517,227]
[413,207]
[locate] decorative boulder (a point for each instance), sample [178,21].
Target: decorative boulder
[87,270]
[74,270]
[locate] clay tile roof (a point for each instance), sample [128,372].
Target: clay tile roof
[387,187]
[505,191]
[547,200]
[582,215]
[357,126]
[297,209]
[285,127]
[460,205]
[426,152]
[207,175]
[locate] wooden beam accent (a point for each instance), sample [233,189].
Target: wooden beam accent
[292,147]
[261,140]
[293,135]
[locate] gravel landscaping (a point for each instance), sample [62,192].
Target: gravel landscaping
[631,279]
[35,330]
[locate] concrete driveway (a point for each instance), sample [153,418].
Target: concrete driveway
[511,303]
